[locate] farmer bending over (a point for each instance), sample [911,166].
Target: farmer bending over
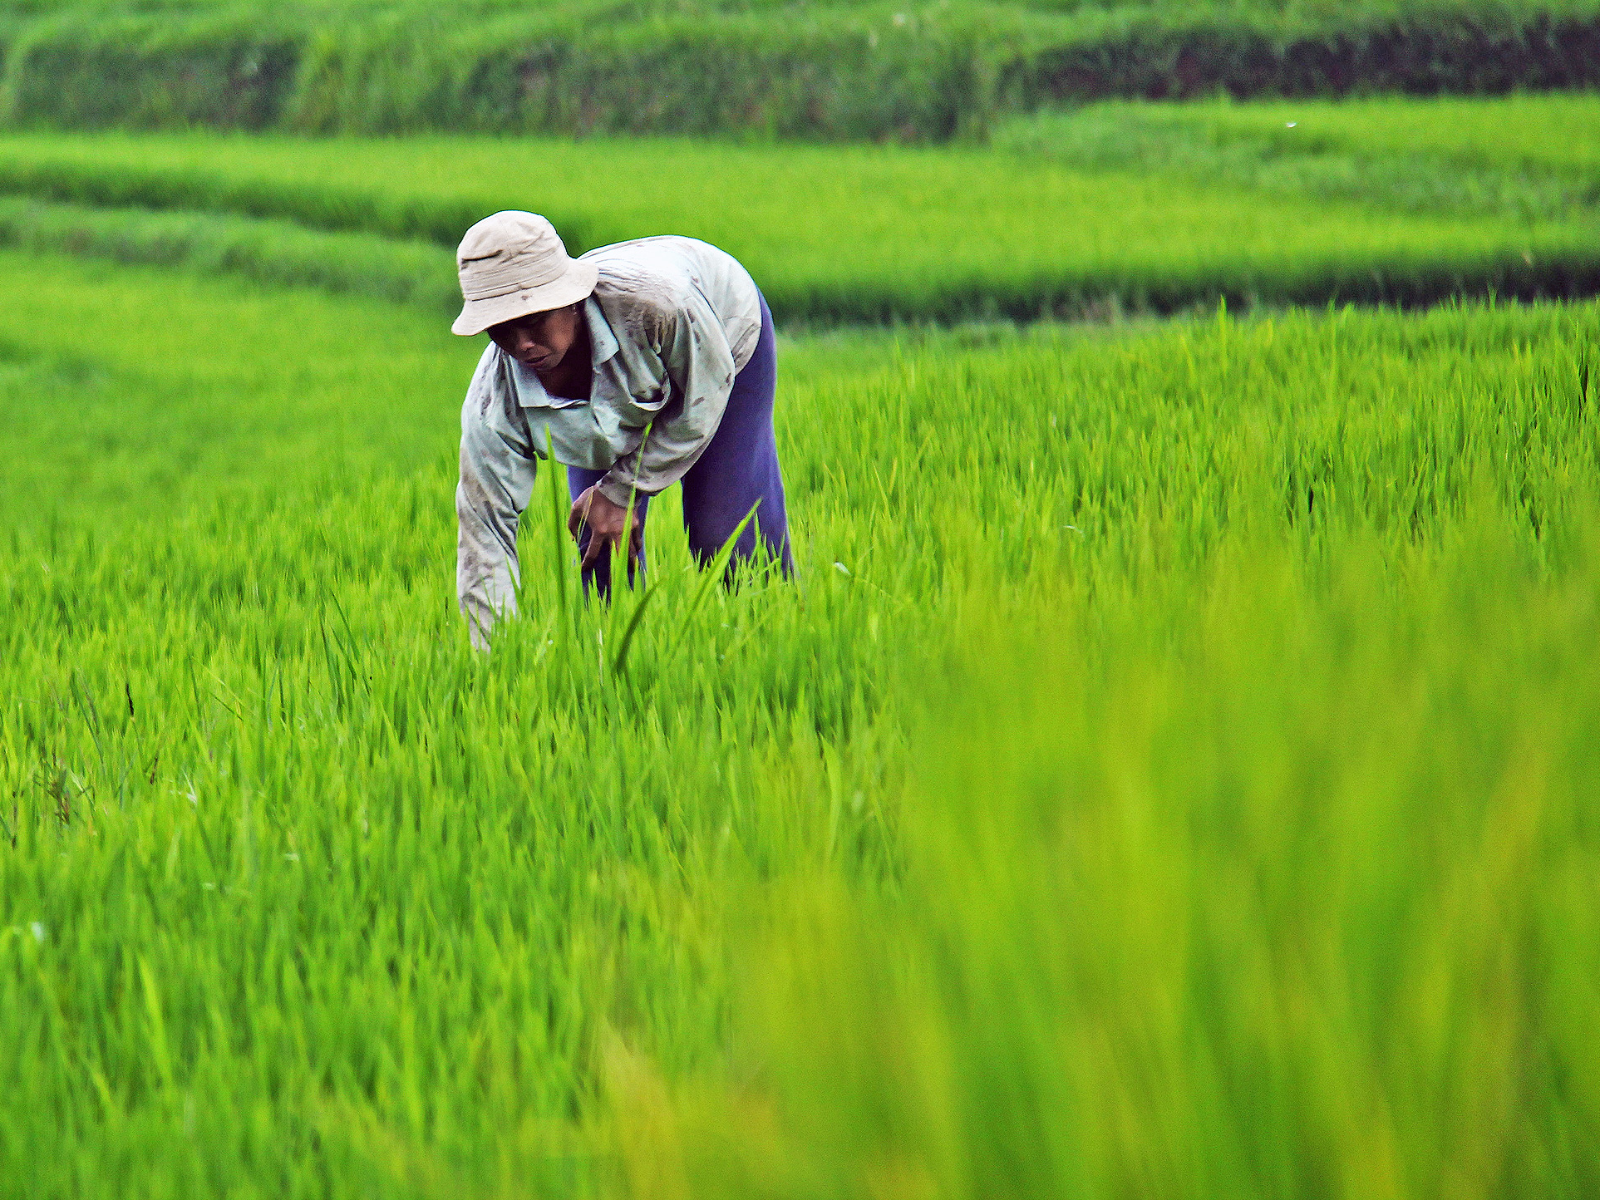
[667,334]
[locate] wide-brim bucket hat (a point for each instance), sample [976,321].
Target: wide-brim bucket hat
[513,264]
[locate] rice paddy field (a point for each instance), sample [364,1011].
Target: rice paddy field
[1170,774]
[1110,209]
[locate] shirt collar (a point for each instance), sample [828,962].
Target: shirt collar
[602,342]
[603,346]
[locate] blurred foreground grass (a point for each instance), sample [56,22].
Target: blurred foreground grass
[1171,773]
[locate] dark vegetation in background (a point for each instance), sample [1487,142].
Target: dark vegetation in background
[869,71]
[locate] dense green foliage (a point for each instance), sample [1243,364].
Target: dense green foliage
[881,70]
[1170,774]
[836,233]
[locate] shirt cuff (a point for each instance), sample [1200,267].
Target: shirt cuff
[619,489]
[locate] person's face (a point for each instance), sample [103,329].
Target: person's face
[539,340]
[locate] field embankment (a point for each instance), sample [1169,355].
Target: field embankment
[1524,158]
[1171,771]
[1047,224]
[819,71]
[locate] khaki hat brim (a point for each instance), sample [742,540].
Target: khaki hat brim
[577,284]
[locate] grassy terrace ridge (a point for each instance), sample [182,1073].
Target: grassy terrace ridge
[1180,733]
[928,71]
[831,233]
[1558,133]
[1526,157]
[263,250]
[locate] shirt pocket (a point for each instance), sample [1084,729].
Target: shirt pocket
[638,411]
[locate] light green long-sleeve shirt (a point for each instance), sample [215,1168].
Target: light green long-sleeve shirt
[672,320]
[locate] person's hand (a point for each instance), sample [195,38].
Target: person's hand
[606,521]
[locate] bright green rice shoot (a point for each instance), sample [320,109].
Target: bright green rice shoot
[1170,774]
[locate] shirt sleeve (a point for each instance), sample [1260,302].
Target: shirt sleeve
[699,364]
[498,463]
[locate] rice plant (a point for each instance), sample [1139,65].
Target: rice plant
[1167,775]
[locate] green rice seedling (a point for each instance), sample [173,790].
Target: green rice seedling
[1271,880]
[1166,772]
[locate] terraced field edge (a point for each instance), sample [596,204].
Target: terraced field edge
[881,71]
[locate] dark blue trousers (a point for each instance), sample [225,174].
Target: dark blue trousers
[737,471]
